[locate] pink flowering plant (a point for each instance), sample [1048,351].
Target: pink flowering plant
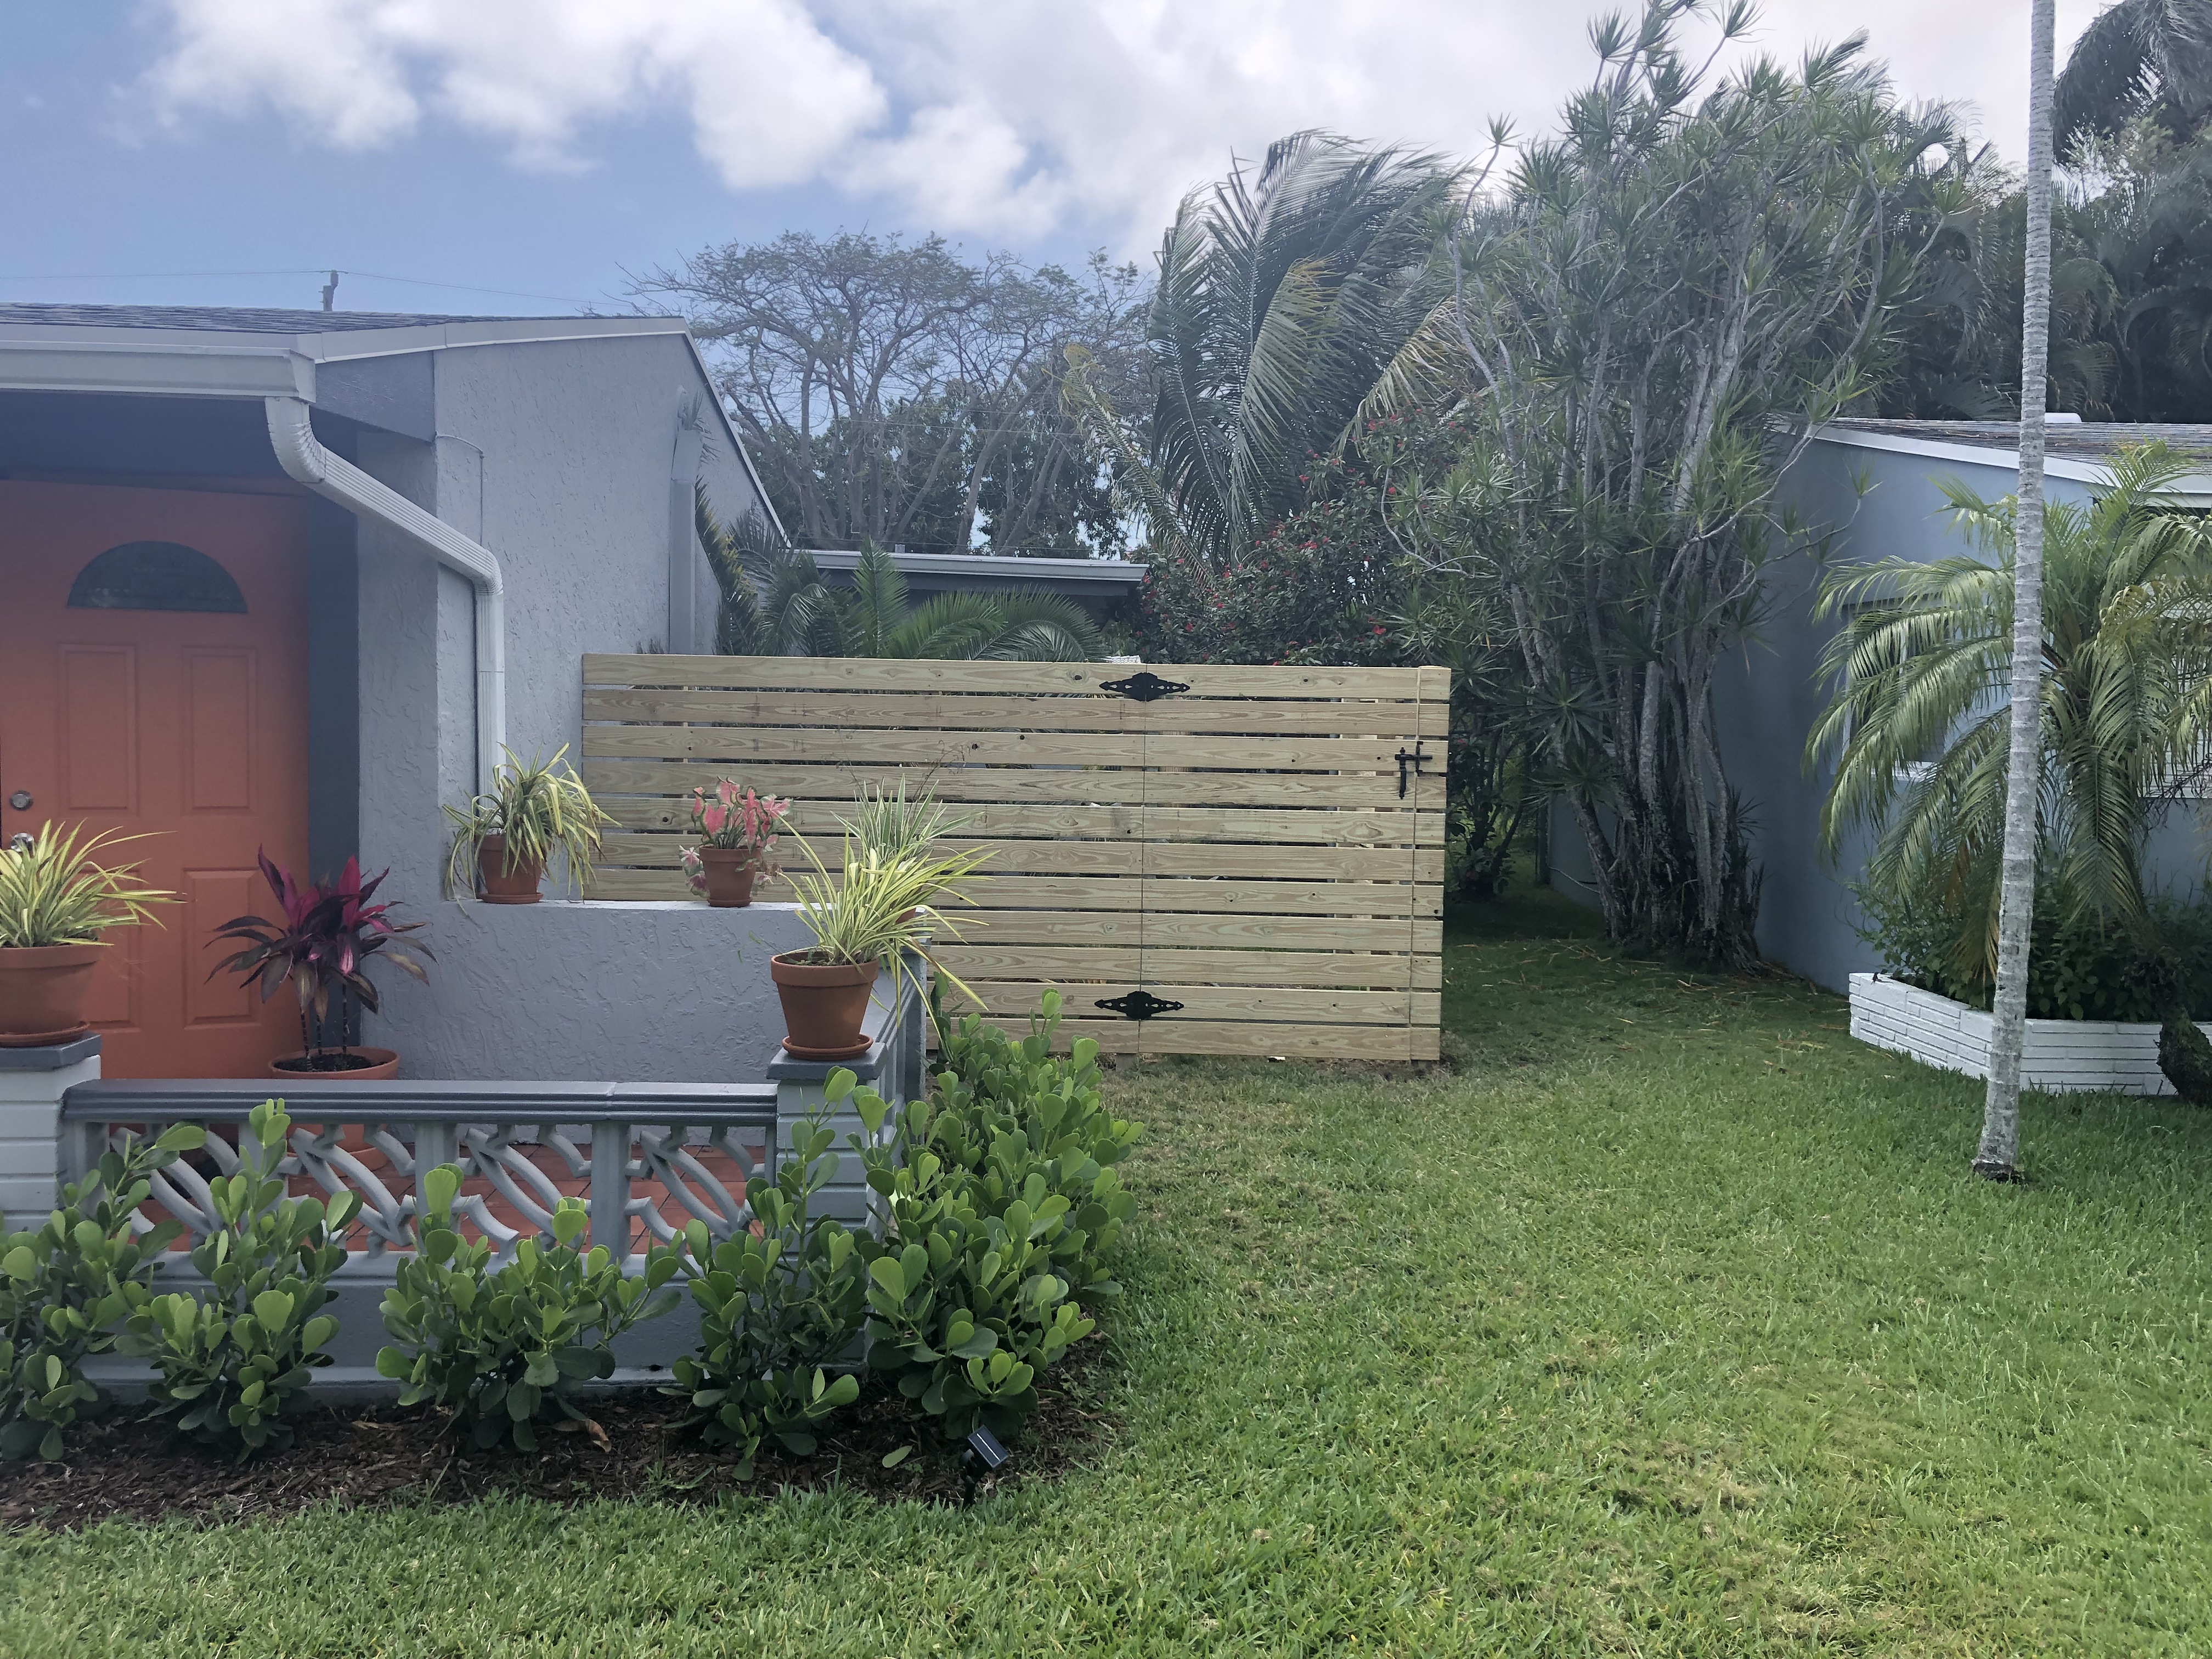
[734,819]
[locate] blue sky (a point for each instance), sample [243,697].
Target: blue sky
[542,147]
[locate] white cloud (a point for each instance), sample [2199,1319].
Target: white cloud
[1008,118]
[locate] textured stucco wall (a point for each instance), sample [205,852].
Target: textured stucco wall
[1767,698]
[561,458]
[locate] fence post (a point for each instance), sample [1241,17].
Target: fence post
[32,1081]
[611,1189]
[889,1067]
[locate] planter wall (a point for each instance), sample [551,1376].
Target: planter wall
[2058,1056]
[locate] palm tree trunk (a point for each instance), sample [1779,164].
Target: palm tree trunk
[1998,1155]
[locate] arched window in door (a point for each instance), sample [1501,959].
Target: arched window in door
[155,576]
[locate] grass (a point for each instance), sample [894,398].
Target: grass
[1672,1323]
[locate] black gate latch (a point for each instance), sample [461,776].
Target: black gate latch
[1145,687]
[1406,757]
[1138,1005]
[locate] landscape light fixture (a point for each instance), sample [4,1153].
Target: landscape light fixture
[984,1448]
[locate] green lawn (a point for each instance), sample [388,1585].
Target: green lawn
[1671,1323]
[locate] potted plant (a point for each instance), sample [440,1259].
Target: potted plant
[503,841]
[323,946]
[55,904]
[883,906]
[737,833]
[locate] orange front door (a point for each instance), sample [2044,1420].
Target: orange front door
[153,678]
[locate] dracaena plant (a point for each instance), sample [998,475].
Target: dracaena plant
[538,808]
[55,891]
[738,819]
[328,935]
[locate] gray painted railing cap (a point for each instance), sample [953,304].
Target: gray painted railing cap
[50,1056]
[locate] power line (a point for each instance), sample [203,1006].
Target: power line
[298,270]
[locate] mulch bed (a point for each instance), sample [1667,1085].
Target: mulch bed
[125,1467]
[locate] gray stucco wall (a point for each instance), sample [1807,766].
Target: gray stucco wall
[1771,692]
[564,459]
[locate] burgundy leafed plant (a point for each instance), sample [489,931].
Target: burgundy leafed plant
[323,945]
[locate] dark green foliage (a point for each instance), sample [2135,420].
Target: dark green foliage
[2184,1055]
[1002,1201]
[230,1362]
[776,1306]
[2078,967]
[67,1283]
[500,1348]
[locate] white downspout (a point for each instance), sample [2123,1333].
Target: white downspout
[306,461]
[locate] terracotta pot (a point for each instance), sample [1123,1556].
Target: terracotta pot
[729,873]
[382,1063]
[823,1004]
[43,992]
[498,886]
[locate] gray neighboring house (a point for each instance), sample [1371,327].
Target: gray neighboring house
[1874,484]
[286,580]
[1098,585]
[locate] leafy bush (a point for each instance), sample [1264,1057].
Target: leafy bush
[500,1349]
[2078,967]
[775,1307]
[231,1361]
[1000,1207]
[66,1284]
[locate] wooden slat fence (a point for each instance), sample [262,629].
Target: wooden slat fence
[1241,847]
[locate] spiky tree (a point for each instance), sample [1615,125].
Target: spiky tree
[2138,58]
[1648,322]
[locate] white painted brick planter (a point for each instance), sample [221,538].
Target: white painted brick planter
[2059,1055]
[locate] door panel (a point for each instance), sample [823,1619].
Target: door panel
[186,725]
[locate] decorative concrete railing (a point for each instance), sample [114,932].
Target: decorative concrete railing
[645,1158]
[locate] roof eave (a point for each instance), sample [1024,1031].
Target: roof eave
[2192,490]
[179,370]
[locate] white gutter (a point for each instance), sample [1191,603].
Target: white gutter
[308,462]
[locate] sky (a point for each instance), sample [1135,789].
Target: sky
[531,156]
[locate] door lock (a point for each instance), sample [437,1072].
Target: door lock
[20,842]
[20,800]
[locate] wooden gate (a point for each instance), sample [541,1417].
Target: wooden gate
[1262,849]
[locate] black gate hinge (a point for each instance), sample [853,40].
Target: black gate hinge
[1408,757]
[1139,1005]
[1145,687]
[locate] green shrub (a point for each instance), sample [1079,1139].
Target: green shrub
[230,1362]
[66,1284]
[775,1307]
[2078,967]
[1000,1205]
[499,1349]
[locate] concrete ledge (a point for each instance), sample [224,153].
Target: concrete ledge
[54,1057]
[2059,1055]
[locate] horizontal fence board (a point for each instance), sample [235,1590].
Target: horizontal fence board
[893,674]
[735,745]
[1389,827]
[1213,1002]
[981,960]
[1250,846]
[1026,784]
[948,711]
[1128,857]
[1116,894]
[1248,1039]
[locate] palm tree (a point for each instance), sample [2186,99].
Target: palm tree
[2139,57]
[1281,300]
[774,604]
[1921,720]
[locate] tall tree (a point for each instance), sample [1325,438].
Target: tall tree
[2138,58]
[1281,297]
[890,390]
[1997,1157]
[1648,324]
